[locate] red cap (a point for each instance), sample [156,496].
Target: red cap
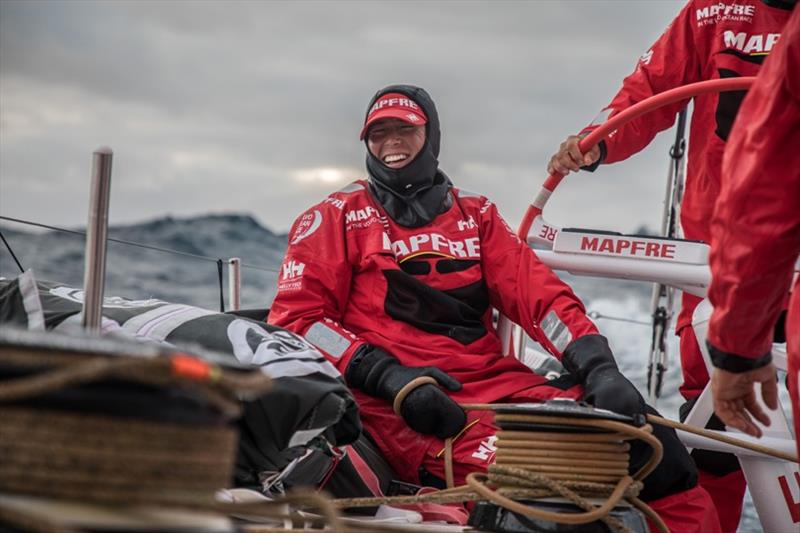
[394,105]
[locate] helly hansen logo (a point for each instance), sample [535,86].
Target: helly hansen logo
[757,44]
[486,449]
[436,243]
[291,276]
[464,225]
[630,247]
[293,269]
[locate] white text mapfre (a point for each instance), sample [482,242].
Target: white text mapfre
[361,218]
[393,102]
[434,243]
[750,44]
[725,12]
[360,214]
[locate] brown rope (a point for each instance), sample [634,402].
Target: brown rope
[301,499]
[654,419]
[477,482]
[115,460]
[766,450]
[219,387]
[448,443]
[448,463]
[406,390]
[541,459]
[106,459]
[556,473]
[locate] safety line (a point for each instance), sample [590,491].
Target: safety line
[13,255]
[136,244]
[595,314]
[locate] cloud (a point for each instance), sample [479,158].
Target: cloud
[256,106]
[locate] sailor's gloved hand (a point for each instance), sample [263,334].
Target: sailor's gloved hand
[590,359]
[427,409]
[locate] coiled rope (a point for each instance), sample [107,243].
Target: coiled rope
[52,452]
[585,458]
[220,388]
[111,460]
[571,465]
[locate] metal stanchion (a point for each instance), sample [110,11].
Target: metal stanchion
[94,272]
[235,283]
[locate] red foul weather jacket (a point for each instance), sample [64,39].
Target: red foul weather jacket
[709,39]
[351,275]
[756,224]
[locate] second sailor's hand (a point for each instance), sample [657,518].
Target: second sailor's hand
[568,158]
[735,397]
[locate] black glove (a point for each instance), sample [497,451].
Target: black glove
[426,409]
[590,360]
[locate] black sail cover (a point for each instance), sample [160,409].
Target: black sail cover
[309,400]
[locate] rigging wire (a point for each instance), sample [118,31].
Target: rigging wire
[11,252]
[597,314]
[135,244]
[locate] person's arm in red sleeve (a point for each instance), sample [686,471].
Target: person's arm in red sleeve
[530,294]
[671,62]
[314,284]
[526,290]
[756,237]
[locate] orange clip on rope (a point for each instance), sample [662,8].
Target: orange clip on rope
[188,367]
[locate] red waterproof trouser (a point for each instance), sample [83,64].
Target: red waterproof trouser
[793,347]
[727,490]
[695,374]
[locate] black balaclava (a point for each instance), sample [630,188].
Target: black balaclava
[781,4]
[415,194]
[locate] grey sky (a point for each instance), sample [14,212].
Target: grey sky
[256,106]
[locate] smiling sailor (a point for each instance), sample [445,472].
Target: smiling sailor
[395,278]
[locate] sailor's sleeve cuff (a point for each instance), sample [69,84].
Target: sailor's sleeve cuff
[736,363]
[603,153]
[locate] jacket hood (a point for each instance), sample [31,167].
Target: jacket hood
[416,193]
